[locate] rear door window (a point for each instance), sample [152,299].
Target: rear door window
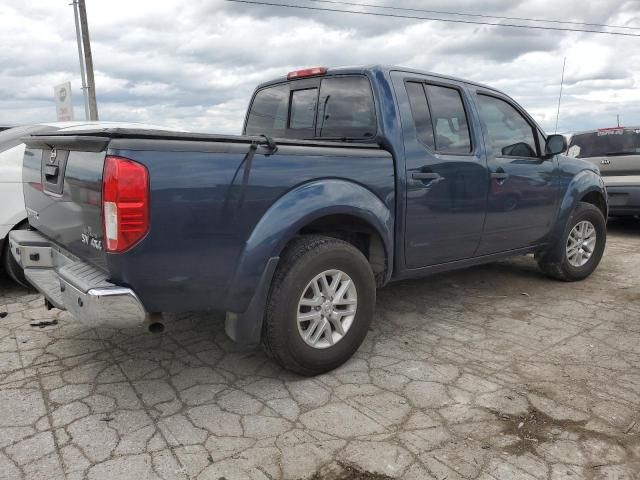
[510,134]
[449,119]
[421,114]
[440,118]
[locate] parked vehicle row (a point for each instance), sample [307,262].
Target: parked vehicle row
[616,152]
[344,179]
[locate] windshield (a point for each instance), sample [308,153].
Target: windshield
[610,141]
[333,108]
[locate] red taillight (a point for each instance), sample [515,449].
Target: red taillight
[125,203]
[307,72]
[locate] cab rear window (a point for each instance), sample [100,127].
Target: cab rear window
[268,114]
[335,108]
[303,109]
[605,142]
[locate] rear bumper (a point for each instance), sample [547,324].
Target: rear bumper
[73,285]
[624,200]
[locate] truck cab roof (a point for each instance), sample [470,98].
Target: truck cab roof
[283,107]
[377,68]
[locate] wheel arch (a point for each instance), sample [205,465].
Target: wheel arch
[334,207]
[597,199]
[585,186]
[356,231]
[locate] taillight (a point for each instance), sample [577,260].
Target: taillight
[125,203]
[307,72]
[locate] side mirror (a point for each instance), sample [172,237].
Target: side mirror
[555,144]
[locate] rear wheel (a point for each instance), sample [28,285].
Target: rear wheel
[10,265]
[320,305]
[579,251]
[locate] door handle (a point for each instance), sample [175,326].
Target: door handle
[500,175]
[50,171]
[425,176]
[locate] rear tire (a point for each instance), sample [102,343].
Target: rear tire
[12,268]
[302,288]
[567,259]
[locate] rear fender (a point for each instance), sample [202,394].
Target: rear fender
[294,210]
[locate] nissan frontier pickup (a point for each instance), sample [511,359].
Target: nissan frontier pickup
[344,179]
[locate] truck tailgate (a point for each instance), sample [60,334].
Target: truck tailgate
[617,165]
[63,192]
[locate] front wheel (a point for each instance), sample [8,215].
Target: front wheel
[320,305]
[578,252]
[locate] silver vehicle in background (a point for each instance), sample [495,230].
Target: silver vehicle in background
[616,151]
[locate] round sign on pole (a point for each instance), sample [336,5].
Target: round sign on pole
[64,105]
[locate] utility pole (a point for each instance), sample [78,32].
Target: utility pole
[81,60]
[560,96]
[86,66]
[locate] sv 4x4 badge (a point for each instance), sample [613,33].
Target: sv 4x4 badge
[89,238]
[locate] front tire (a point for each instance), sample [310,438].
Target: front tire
[320,305]
[580,248]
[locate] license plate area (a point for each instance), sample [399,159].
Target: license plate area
[618,199]
[54,163]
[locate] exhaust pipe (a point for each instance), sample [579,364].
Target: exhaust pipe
[155,323]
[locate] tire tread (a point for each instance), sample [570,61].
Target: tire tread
[301,247]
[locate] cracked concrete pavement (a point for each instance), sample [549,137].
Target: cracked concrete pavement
[492,373]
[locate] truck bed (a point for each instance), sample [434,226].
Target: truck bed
[207,199]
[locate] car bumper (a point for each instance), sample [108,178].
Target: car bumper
[71,284]
[624,200]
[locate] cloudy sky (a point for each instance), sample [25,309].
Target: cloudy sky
[193,64]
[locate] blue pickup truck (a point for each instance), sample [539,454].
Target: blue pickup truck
[344,180]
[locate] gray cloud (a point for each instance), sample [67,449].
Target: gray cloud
[195,64]
[499,45]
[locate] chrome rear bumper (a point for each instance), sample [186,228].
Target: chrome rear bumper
[71,284]
[623,199]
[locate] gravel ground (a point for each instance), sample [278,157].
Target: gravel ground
[492,373]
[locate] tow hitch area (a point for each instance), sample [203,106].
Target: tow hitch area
[71,284]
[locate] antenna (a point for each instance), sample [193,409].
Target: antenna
[560,96]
